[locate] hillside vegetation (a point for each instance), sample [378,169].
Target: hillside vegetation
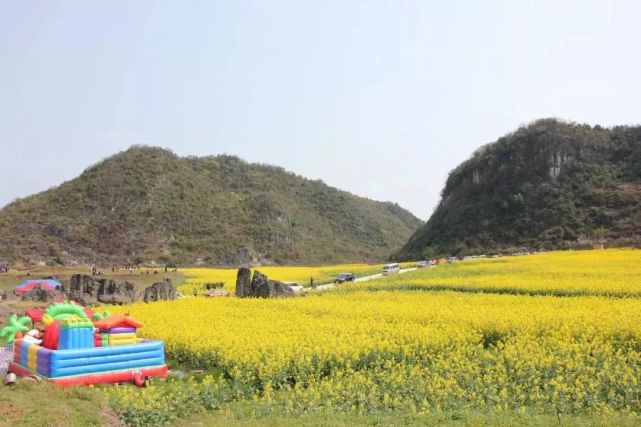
[548,185]
[147,204]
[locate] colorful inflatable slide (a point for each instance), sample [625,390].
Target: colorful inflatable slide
[74,346]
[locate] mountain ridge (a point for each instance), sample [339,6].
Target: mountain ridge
[548,185]
[147,203]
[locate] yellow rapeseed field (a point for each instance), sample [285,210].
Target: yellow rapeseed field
[389,347]
[613,272]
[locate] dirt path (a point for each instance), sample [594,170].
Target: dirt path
[358,280]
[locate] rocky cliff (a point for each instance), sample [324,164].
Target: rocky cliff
[548,185]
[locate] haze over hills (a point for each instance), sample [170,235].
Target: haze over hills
[147,204]
[548,185]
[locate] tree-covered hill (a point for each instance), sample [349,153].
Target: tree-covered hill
[147,204]
[548,185]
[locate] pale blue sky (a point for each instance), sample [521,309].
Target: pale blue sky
[380,98]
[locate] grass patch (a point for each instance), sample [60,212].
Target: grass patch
[243,414]
[42,404]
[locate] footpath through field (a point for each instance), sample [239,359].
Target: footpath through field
[358,279]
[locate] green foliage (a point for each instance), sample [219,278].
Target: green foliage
[166,402]
[148,204]
[548,185]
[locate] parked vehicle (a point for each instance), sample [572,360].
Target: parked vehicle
[295,287]
[391,268]
[421,264]
[345,277]
[216,293]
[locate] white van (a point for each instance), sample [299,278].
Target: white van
[391,268]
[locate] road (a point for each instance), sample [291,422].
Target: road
[358,280]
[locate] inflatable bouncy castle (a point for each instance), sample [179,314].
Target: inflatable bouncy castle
[73,345]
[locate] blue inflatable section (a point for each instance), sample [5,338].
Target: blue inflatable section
[24,352]
[105,359]
[107,367]
[75,338]
[88,361]
[146,345]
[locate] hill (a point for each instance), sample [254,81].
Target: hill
[548,185]
[147,204]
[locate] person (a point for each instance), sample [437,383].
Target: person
[311,282]
[33,336]
[195,292]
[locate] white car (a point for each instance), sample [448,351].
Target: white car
[295,287]
[391,268]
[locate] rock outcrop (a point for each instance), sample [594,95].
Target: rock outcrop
[88,290]
[260,285]
[40,295]
[160,291]
[243,282]
[81,288]
[258,280]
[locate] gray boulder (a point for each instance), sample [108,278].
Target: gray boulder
[260,285]
[40,295]
[89,291]
[82,288]
[112,292]
[243,282]
[258,280]
[273,289]
[160,291]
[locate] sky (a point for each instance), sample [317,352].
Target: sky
[379,98]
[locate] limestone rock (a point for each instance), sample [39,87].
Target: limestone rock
[112,292]
[88,290]
[41,295]
[273,289]
[243,282]
[82,288]
[260,285]
[258,280]
[160,291]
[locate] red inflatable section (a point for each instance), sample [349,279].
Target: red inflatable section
[52,332]
[35,314]
[19,370]
[112,377]
[137,376]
